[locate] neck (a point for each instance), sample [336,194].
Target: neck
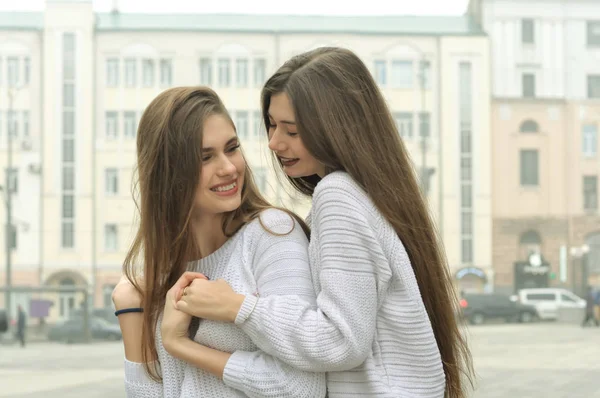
[209,233]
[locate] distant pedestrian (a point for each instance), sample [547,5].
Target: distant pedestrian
[21,323]
[590,308]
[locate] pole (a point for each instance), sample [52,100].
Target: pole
[8,191]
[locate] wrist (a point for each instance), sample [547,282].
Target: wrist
[173,345]
[236,304]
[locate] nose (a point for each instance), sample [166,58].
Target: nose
[276,144]
[226,167]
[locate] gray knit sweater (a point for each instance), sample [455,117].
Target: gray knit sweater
[370,332]
[254,261]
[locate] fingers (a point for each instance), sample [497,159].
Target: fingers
[185,279]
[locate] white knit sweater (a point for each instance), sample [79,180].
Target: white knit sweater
[253,261]
[370,332]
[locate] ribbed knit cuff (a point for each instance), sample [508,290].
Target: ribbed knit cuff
[136,374]
[233,374]
[246,309]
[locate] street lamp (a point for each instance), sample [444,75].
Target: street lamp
[9,229]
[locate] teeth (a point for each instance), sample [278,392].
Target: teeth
[225,187]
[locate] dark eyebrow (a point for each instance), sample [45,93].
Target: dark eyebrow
[232,140]
[283,121]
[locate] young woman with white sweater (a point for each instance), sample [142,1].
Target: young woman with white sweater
[201,211]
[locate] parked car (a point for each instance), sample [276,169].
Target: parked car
[477,308]
[547,301]
[3,322]
[71,330]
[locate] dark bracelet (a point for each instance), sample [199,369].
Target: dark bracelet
[127,310]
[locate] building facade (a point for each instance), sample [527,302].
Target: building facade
[545,121]
[87,78]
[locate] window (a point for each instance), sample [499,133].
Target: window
[110,237]
[466,223]
[68,150]
[241,73]
[567,299]
[111,125]
[541,297]
[466,194]
[589,140]
[166,72]
[404,124]
[529,242]
[259,124]
[130,72]
[111,181]
[590,192]
[527,31]
[467,249]
[68,123]
[68,206]
[26,70]
[13,180]
[68,95]
[25,123]
[528,85]
[68,56]
[466,169]
[224,73]
[205,71]
[424,124]
[129,124]
[68,178]
[12,74]
[402,74]
[593,33]
[112,72]
[529,126]
[380,73]
[148,72]
[241,124]
[529,167]
[260,71]
[593,86]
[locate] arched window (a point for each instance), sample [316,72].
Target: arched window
[529,126]
[529,242]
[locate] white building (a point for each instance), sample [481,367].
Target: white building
[90,75]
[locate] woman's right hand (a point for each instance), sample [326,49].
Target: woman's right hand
[125,295]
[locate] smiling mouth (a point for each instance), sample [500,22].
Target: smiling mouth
[287,162]
[227,189]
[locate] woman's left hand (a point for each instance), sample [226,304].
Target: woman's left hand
[175,323]
[214,300]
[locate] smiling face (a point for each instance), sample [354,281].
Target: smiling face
[285,141]
[223,168]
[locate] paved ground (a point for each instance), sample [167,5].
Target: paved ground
[512,361]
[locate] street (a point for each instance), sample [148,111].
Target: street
[520,361]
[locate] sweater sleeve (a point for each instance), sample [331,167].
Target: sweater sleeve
[280,266]
[139,384]
[338,334]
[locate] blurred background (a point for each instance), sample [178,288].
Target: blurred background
[498,102]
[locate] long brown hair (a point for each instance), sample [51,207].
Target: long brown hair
[344,122]
[169,161]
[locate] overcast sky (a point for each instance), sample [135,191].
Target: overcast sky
[323,7]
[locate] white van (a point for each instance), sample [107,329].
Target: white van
[547,301]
